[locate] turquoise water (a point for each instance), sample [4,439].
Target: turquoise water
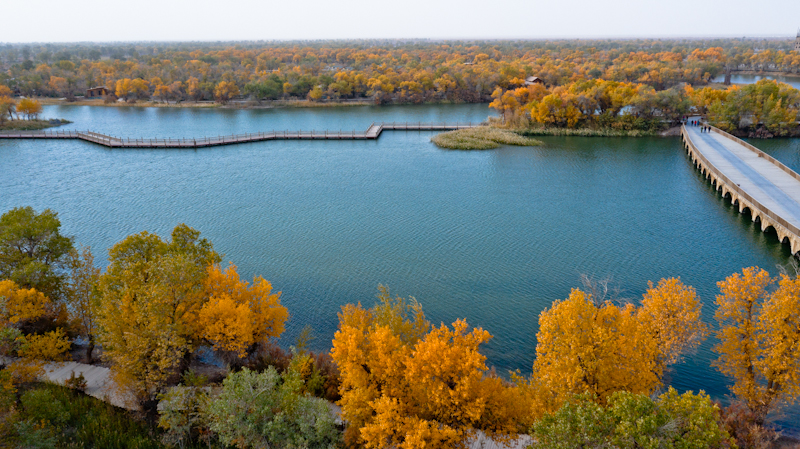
[491,236]
[738,78]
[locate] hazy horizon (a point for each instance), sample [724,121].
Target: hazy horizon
[401,39]
[84,21]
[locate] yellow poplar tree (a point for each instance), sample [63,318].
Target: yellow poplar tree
[18,305]
[759,334]
[403,386]
[599,348]
[237,314]
[29,108]
[595,348]
[225,90]
[670,313]
[150,296]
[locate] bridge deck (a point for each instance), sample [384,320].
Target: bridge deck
[760,178]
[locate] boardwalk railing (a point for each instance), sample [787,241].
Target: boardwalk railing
[373,132]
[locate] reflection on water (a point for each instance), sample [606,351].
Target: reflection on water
[491,236]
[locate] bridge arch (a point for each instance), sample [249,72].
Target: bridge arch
[714,166]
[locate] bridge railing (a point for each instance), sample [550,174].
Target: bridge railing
[760,153]
[39,134]
[735,188]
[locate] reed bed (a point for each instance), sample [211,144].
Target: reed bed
[481,138]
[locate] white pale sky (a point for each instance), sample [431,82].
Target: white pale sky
[204,20]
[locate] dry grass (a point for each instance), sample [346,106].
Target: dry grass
[29,125]
[481,138]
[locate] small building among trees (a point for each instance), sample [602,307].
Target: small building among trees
[531,80]
[97,92]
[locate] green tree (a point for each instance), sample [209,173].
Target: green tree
[149,299]
[33,253]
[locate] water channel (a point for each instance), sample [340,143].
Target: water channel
[739,78]
[491,236]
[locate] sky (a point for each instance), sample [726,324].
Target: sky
[228,20]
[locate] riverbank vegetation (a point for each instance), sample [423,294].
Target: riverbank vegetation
[27,113]
[163,305]
[481,138]
[379,71]
[606,108]
[623,87]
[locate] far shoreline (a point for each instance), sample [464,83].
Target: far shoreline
[243,104]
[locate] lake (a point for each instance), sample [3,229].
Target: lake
[738,78]
[491,236]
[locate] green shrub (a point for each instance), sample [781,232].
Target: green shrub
[55,416]
[180,415]
[76,382]
[256,410]
[634,421]
[40,405]
[34,435]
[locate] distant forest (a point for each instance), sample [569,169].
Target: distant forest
[382,71]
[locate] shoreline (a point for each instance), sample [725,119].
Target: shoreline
[249,104]
[591,132]
[32,125]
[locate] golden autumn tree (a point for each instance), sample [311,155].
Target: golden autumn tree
[589,345]
[29,108]
[150,297]
[122,88]
[193,88]
[7,107]
[760,339]
[18,305]
[239,315]
[584,346]
[670,313]
[59,85]
[225,90]
[407,385]
[139,88]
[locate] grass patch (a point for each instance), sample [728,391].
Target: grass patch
[55,416]
[481,138]
[30,125]
[586,132]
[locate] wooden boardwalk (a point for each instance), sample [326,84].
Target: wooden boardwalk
[755,181]
[372,133]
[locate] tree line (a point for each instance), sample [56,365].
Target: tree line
[764,109]
[598,379]
[383,72]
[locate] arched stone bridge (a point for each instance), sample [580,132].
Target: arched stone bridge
[753,180]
